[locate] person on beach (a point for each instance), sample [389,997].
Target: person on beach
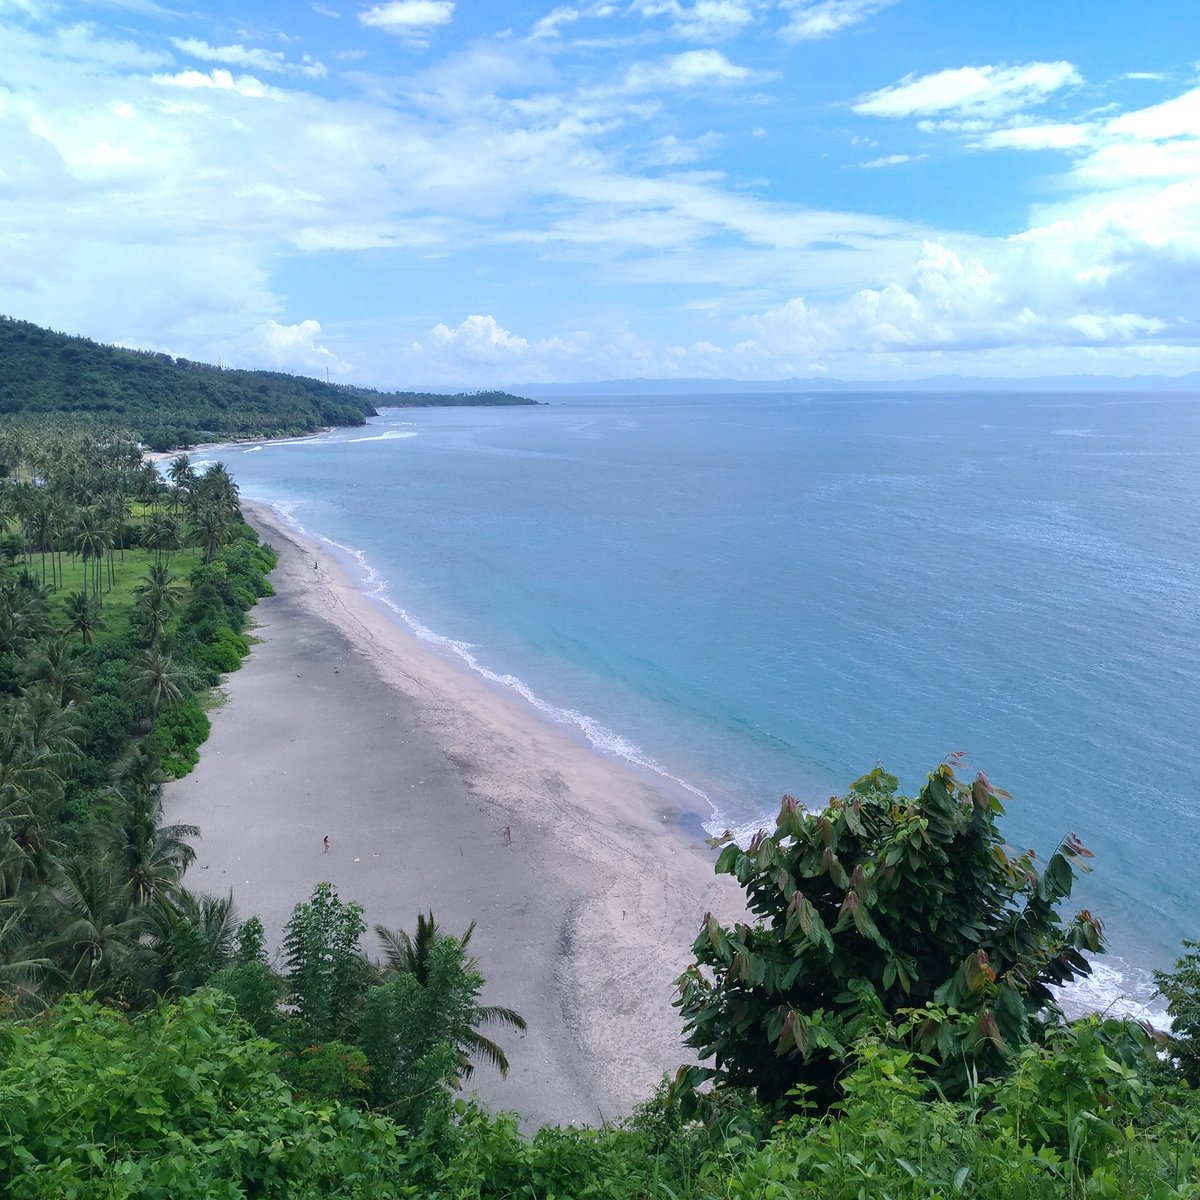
[326,850]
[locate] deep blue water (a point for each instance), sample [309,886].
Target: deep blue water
[767,594]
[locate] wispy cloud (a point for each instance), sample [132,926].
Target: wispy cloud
[703,20]
[253,57]
[824,18]
[1034,137]
[890,160]
[985,92]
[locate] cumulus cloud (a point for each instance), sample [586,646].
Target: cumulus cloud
[1023,298]
[142,206]
[479,338]
[412,20]
[986,92]
[824,18]
[293,347]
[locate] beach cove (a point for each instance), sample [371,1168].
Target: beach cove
[588,881]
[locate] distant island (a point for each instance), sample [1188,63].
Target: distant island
[176,403]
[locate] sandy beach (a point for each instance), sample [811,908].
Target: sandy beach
[588,881]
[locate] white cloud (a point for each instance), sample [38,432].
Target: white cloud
[157,208]
[551,23]
[237,56]
[888,160]
[1119,327]
[824,18]
[689,69]
[413,20]
[1035,137]
[294,347]
[703,20]
[672,151]
[986,92]
[253,57]
[218,79]
[479,338]
[1179,117]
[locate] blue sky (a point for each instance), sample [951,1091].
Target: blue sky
[450,193]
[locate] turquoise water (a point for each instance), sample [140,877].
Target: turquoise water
[767,594]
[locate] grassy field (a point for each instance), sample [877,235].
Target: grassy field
[116,601]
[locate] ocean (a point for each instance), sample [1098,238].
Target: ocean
[764,594]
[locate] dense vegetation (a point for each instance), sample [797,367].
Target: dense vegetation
[173,402]
[885,1026]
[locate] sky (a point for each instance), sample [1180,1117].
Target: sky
[453,193]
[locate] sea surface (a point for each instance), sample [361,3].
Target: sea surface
[766,594]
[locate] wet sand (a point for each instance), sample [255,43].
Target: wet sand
[437,791]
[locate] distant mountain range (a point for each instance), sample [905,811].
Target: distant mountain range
[932,383]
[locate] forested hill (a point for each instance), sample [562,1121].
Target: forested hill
[173,402]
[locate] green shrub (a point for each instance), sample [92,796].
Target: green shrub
[179,1102]
[178,732]
[225,651]
[105,726]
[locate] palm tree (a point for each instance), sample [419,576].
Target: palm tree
[58,668]
[91,539]
[157,682]
[100,939]
[212,527]
[21,969]
[155,598]
[82,617]
[405,955]
[149,857]
[183,476]
[194,937]
[162,533]
[39,526]
[216,487]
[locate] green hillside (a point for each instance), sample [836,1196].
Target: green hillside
[173,402]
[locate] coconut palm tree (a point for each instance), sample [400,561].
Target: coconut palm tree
[157,682]
[410,955]
[162,533]
[100,939]
[182,475]
[82,617]
[61,671]
[149,857]
[156,597]
[22,969]
[212,527]
[91,539]
[194,937]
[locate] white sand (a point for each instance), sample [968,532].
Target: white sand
[437,791]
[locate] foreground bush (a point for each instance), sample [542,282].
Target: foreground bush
[880,905]
[177,1102]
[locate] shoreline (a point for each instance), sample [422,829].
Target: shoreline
[690,807]
[441,791]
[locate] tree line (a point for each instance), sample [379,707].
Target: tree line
[177,403]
